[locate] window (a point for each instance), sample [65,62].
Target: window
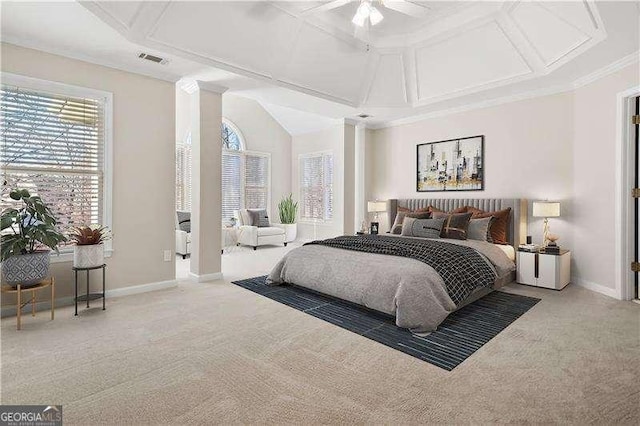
[245,174]
[316,186]
[54,143]
[183,176]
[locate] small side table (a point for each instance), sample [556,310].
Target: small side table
[20,304]
[90,296]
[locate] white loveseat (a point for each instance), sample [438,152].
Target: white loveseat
[258,236]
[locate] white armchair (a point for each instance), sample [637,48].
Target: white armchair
[183,238]
[258,236]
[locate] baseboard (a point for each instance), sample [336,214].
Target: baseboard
[607,291]
[45,305]
[142,288]
[206,277]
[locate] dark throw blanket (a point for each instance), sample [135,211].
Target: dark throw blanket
[462,269]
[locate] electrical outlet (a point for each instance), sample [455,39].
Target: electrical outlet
[167,255]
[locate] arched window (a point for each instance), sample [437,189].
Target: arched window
[245,174]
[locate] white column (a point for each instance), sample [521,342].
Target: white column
[360,212]
[349,147]
[206,175]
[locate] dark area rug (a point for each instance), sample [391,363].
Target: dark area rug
[456,339]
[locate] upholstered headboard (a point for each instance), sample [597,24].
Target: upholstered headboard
[517,230]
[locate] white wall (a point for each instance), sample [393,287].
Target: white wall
[143,164]
[528,154]
[331,139]
[559,147]
[594,218]
[264,134]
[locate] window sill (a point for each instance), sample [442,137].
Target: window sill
[67,256]
[312,222]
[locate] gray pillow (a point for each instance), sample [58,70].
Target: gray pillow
[259,218]
[479,229]
[184,221]
[425,228]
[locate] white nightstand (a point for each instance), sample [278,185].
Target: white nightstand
[543,269]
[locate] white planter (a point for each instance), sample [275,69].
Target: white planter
[88,256]
[290,231]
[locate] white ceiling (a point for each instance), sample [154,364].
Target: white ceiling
[308,57]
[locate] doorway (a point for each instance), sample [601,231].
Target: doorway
[634,136]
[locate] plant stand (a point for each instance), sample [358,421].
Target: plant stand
[21,304]
[90,296]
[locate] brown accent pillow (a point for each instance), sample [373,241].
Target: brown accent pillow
[401,214]
[455,225]
[499,226]
[459,210]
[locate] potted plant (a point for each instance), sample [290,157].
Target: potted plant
[288,211]
[26,233]
[89,249]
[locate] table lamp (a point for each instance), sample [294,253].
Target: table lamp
[376,207]
[546,209]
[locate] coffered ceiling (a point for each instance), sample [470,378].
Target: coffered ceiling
[424,55]
[440,50]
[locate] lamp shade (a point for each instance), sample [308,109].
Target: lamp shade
[546,209]
[376,206]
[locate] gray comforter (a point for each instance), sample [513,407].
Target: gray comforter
[409,289]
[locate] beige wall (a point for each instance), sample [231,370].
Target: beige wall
[593,220]
[331,139]
[528,154]
[143,164]
[263,133]
[559,147]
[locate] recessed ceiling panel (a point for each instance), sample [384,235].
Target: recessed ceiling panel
[474,58]
[576,13]
[242,34]
[551,36]
[326,64]
[388,86]
[122,11]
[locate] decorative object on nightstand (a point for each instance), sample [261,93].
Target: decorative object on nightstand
[376,207]
[19,289]
[547,209]
[544,269]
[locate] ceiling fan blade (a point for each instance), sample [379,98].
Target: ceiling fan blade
[326,6]
[406,7]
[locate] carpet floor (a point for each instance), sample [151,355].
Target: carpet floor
[460,335]
[216,353]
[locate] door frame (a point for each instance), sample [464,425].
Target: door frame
[624,213]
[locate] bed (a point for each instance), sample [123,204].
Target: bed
[419,281]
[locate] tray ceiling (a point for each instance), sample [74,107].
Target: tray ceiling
[438,51]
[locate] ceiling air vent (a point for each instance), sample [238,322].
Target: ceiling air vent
[156,59]
[364,115]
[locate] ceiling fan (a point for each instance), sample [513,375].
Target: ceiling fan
[368,13]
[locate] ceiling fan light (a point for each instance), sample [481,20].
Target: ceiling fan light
[358,19]
[361,14]
[375,16]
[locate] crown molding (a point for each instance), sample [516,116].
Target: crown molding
[43,47]
[576,84]
[613,67]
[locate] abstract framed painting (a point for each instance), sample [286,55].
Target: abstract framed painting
[451,165]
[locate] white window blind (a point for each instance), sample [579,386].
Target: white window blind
[256,181]
[316,187]
[245,181]
[231,184]
[183,177]
[54,146]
